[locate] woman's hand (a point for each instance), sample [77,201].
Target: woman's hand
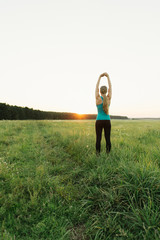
[104,74]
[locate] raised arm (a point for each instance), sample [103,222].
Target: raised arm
[97,87]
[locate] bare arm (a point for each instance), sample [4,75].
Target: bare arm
[97,88]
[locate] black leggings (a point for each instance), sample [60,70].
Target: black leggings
[100,124]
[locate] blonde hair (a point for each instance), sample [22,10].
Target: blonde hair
[103,90]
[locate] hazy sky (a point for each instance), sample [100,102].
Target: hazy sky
[52,52]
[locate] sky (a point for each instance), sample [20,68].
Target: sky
[53,51]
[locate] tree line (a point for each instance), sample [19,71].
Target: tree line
[9,112]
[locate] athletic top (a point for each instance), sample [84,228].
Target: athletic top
[101,114]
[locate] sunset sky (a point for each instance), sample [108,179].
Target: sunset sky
[53,51]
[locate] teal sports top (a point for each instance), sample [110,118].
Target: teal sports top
[101,114]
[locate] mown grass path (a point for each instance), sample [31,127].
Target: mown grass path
[54,187]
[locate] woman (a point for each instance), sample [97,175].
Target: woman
[103,118]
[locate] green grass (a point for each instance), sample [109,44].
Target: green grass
[54,187]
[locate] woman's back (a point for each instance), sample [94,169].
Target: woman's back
[101,114]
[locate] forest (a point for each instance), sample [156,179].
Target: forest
[9,112]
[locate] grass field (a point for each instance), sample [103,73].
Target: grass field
[54,187]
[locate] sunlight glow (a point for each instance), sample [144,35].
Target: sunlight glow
[52,63]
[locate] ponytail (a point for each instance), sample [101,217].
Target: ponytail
[105,105]
[103,90]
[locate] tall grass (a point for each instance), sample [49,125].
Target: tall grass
[53,186]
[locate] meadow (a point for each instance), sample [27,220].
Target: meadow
[54,187]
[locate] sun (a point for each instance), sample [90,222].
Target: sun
[80,115]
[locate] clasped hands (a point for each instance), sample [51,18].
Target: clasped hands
[104,74]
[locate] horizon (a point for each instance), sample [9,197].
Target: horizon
[80,114]
[53,52]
